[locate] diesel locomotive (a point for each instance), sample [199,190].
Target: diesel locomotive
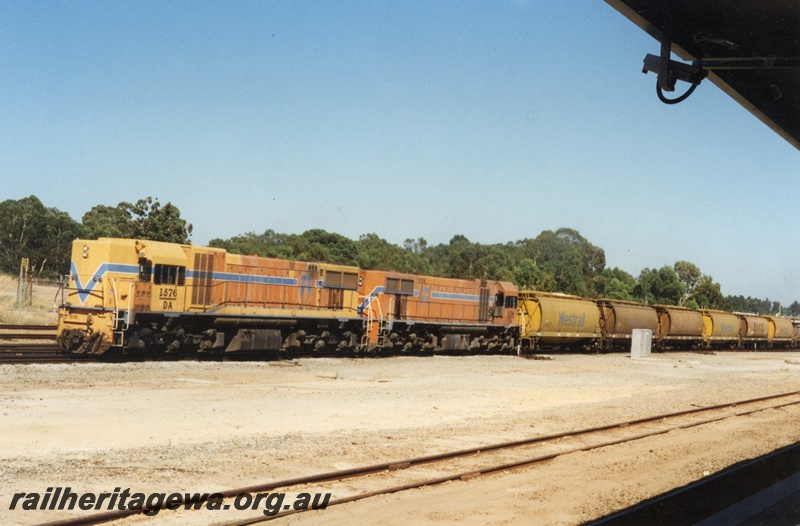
[148,297]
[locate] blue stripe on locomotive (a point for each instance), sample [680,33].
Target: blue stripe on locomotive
[85,290]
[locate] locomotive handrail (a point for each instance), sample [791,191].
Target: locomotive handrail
[131,292]
[116,302]
[523,323]
[371,316]
[368,321]
[63,288]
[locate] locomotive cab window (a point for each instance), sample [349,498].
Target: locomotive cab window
[511,302]
[169,275]
[499,299]
[145,270]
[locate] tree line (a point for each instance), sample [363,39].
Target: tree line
[554,261]
[44,235]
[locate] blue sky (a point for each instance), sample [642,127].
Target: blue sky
[495,120]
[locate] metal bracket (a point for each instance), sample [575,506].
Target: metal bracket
[670,71]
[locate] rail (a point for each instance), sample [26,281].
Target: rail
[664,423]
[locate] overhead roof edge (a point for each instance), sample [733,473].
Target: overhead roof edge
[654,31]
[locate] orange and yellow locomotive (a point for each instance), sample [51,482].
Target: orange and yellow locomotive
[148,296]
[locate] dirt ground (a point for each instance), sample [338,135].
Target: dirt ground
[188,426]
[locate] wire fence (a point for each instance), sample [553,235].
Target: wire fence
[38,304]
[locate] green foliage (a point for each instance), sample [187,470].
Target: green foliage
[689,276]
[615,284]
[683,284]
[320,245]
[569,263]
[464,259]
[376,253]
[43,235]
[416,246]
[753,305]
[616,289]
[660,286]
[708,295]
[528,276]
[268,244]
[554,261]
[145,219]
[370,251]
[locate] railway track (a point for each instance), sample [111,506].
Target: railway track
[32,354]
[29,332]
[30,344]
[396,476]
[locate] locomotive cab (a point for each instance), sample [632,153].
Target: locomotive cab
[96,296]
[161,281]
[111,283]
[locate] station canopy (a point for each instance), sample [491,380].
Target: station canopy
[751,49]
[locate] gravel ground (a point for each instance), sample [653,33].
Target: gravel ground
[188,426]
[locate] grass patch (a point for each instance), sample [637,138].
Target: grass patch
[42,311]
